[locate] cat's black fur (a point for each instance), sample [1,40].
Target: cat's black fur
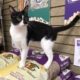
[37,30]
[16,16]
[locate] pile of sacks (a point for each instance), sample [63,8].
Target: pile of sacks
[59,69]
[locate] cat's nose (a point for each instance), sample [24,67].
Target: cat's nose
[25,22]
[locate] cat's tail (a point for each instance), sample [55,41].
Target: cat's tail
[71,24]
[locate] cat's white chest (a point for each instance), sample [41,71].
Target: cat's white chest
[18,35]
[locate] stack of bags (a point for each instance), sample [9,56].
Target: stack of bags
[9,69]
[59,67]
[64,62]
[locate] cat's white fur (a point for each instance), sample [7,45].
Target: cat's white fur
[18,34]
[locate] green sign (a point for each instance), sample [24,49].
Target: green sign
[40,10]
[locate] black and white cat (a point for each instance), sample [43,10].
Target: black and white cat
[22,31]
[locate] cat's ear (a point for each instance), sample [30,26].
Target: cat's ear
[11,9]
[26,8]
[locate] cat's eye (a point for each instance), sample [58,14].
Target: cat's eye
[19,19]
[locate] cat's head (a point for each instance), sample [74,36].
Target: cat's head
[19,17]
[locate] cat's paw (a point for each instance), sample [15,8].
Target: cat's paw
[21,64]
[46,66]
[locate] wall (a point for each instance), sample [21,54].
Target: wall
[65,40]
[6,20]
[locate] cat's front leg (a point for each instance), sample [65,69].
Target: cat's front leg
[24,53]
